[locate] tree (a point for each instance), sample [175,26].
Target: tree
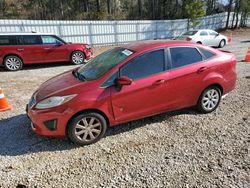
[230,4]
[195,10]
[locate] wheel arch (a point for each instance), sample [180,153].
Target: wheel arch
[80,50]
[12,54]
[88,110]
[211,85]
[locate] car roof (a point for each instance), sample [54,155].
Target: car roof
[151,44]
[25,33]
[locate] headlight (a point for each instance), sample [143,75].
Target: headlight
[88,47]
[54,101]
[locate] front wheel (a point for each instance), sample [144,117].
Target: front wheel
[77,57]
[13,63]
[87,128]
[209,99]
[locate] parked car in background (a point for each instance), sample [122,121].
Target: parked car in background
[128,83]
[18,49]
[204,36]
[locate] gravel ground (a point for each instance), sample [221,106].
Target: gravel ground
[177,149]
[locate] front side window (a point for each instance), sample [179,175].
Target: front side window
[101,64]
[8,40]
[203,33]
[50,40]
[110,81]
[31,39]
[144,65]
[182,56]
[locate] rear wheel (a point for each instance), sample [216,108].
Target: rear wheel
[77,57]
[87,128]
[13,63]
[222,43]
[209,99]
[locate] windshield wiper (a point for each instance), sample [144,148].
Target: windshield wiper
[78,75]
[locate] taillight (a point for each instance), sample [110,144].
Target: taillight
[188,39]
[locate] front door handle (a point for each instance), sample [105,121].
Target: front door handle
[202,69]
[46,48]
[159,82]
[20,49]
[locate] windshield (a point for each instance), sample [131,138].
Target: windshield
[190,33]
[103,63]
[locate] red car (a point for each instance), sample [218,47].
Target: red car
[128,83]
[18,49]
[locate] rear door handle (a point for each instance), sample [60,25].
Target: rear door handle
[20,49]
[46,48]
[202,69]
[159,82]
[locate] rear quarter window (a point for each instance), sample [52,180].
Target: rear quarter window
[8,40]
[207,54]
[182,56]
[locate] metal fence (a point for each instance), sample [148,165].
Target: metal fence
[111,32]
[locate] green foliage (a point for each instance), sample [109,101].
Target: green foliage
[195,10]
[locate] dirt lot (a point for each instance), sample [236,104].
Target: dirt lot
[177,149]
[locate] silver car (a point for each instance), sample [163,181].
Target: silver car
[205,36]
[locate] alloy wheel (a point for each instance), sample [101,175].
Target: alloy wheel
[88,129]
[210,99]
[77,58]
[13,63]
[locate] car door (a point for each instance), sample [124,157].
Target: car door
[55,50]
[215,38]
[148,92]
[186,77]
[205,38]
[30,49]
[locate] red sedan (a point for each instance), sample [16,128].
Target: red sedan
[128,83]
[18,49]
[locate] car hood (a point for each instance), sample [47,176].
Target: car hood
[57,85]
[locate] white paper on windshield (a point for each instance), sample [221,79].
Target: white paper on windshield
[127,52]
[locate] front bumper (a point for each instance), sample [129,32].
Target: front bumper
[88,54]
[49,122]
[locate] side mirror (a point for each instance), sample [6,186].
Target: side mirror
[123,80]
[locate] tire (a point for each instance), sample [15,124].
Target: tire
[80,129]
[222,43]
[77,57]
[209,99]
[13,63]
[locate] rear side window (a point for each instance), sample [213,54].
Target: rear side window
[144,65]
[31,39]
[207,54]
[203,33]
[182,56]
[8,40]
